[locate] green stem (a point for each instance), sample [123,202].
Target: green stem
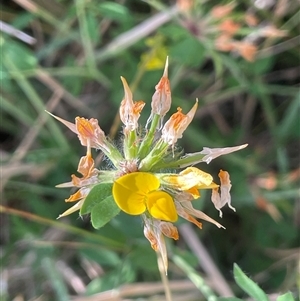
[114,155]
[154,157]
[185,161]
[146,144]
[97,238]
[195,278]
[164,277]
[130,145]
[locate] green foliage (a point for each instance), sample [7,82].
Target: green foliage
[103,212]
[247,285]
[113,11]
[252,289]
[100,204]
[98,194]
[286,297]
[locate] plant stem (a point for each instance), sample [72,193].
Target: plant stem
[164,277]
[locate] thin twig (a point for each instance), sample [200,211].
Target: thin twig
[164,277]
[128,38]
[279,48]
[10,30]
[54,85]
[138,289]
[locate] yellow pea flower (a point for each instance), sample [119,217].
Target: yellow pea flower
[189,178]
[138,192]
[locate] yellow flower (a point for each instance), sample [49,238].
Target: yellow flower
[189,178]
[138,192]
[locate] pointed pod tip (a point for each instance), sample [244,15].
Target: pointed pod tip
[243,146]
[166,67]
[50,114]
[128,93]
[194,108]
[124,81]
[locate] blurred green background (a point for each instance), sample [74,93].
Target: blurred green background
[241,61]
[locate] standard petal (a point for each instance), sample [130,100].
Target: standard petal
[189,178]
[129,201]
[194,175]
[129,191]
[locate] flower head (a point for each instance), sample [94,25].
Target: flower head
[137,184]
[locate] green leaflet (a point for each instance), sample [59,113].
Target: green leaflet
[103,212]
[247,285]
[98,194]
[286,297]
